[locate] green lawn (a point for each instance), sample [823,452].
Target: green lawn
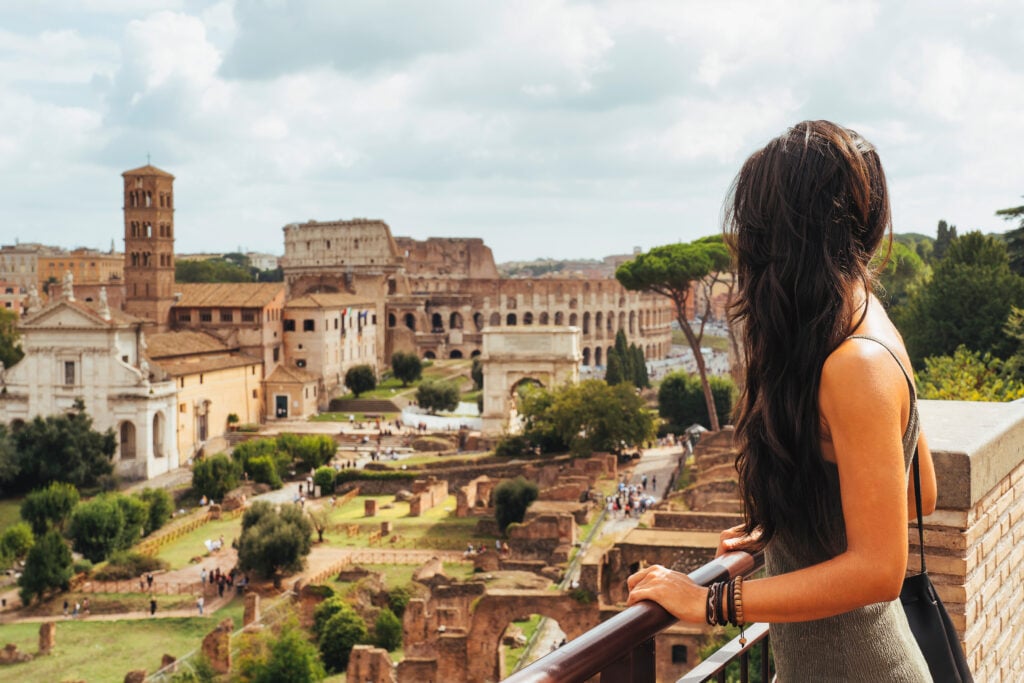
[104,651]
[438,370]
[179,551]
[436,528]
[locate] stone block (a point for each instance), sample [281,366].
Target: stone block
[47,637]
[135,676]
[168,663]
[386,527]
[217,646]
[251,615]
[370,508]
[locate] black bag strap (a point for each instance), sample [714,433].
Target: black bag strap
[917,500]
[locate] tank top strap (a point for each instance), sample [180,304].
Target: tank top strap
[910,380]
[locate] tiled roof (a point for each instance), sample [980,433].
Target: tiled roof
[118,317]
[148,169]
[283,373]
[190,366]
[183,343]
[323,300]
[227,294]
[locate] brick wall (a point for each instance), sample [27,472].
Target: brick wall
[974,543]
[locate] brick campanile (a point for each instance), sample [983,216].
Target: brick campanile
[149,244]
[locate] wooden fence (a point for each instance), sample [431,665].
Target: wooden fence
[151,545]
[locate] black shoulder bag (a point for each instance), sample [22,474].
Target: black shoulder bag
[929,621]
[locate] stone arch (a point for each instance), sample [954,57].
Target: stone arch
[611,322]
[127,440]
[559,318]
[455,321]
[528,318]
[543,318]
[410,321]
[586,322]
[632,323]
[392,321]
[586,355]
[510,319]
[474,353]
[599,322]
[573,320]
[478,321]
[455,353]
[493,614]
[429,355]
[622,320]
[437,323]
[597,356]
[495,320]
[158,434]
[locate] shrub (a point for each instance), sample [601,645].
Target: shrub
[340,633]
[324,478]
[48,566]
[360,378]
[398,600]
[82,566]
[136,515]
[512,446]
[49,508]
[325,610]
[314,451]
[128,565]
[263,470]
[388,630]
[681,400]
[214,476]
[160,508]
[288,657]
[511,499]
[15,542]
[435,396]
[273,542]
[97,527]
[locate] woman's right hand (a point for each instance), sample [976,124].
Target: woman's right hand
[735,538]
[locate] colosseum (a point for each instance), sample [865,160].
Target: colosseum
[437,295]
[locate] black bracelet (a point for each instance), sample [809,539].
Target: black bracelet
[720,615]
[731,602]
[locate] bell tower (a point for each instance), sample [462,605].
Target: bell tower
[149,244]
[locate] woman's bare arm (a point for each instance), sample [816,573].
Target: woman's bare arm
[863,398]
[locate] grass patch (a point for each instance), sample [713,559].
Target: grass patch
[107,650]
[436,528]
[359,417]
[514,654]
[178,552]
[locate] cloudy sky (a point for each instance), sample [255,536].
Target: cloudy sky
[549,128]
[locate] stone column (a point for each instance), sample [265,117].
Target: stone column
[47,637]
[252,610]
[217,646]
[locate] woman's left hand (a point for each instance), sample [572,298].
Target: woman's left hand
[684,599]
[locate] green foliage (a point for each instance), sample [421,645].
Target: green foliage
[903,272]
[15,542]
[388,630]
[512,445]
[511,500]
[262,469]
[590,416]
[314,451]
[201,671]
[98,527]
[1014,238]
[323,612]
[213,270]
[47,567]
[371,475]
[613,373]
[476,372]
[135,513]
[288,657]
[944,236]
[49,508]
[161,506]
[273,542]
[125,564]
[360,378]
[341,632]
[324,478]
[398,600]
[640,378]
[681,399]
[59,448]
[10,346]
[967,301]
[406,367]
[435,396]
[215,475]
[968,376]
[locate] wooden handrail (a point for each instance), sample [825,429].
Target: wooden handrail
[605,644]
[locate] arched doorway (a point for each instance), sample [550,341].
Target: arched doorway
[430,355]
[495,320]
[127,441]
[510,319]
[410,321]
[597,357]
[436,323]
[527,318]
[543,318]
[586,355]
[455,353]
[455,321]
[559,317]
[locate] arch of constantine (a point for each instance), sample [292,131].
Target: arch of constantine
[545,354]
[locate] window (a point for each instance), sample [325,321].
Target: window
[205,316]
[308,325]
[226,316]
[679,654]
[69,372]
[182,407]
[184,316]
[254,393]
[335,323]
[289,325]
[277,353]
[248,316]
[300,362]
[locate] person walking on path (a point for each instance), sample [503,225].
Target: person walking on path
[199,604]
[152,605]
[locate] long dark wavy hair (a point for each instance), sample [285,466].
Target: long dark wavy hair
[805,216]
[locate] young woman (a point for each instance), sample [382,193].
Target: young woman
[827,424]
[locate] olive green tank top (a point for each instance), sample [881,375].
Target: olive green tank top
[871,643]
